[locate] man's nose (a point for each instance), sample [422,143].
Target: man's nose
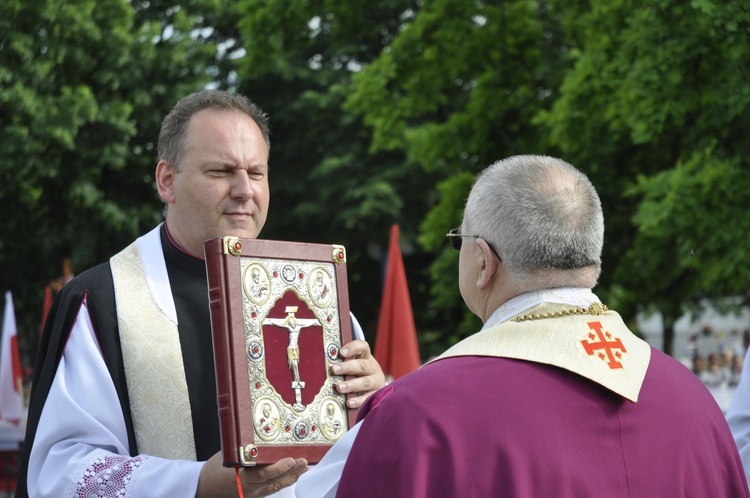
[242,187]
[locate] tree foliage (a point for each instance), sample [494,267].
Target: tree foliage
[383,112]
[456,90]
[83,86]
[638,95]
[655,109]
[326,185]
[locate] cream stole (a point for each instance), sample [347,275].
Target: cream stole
[598,347]
[152,356]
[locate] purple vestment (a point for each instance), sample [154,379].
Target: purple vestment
[486,426]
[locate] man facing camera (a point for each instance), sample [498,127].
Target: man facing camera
[124,396]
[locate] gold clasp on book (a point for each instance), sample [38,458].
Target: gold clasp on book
[248,455]
[233,246]
[339,254]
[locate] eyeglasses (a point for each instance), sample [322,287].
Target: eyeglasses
[456,239]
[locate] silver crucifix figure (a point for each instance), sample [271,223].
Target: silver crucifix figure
[294,325]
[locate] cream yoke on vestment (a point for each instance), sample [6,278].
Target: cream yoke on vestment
[599,347]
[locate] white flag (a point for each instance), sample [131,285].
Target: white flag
[11,404]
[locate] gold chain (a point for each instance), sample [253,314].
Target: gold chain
[594,309]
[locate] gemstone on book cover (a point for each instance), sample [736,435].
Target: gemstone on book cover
[288,274]
[301,430]
[255,350]
[332,349]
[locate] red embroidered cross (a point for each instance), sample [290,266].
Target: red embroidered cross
[605,345]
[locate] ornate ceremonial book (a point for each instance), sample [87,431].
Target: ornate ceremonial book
[279,315]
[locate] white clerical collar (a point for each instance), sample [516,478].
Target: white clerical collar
[580,297]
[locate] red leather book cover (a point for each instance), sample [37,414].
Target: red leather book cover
[279,316]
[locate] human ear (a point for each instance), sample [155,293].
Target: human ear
[165,175]
[488,264]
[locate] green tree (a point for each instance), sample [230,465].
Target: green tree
[326,185]
[455,91]
[655,110]
[83,87]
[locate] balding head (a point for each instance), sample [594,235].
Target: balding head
[545,219]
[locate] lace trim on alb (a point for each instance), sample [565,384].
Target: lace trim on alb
[107,476]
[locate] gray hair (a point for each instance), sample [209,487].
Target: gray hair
[174,127]
[542,215]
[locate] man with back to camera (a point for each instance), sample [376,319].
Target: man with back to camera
[554,396]
[124,393]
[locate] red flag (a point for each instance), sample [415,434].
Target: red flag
[11,377]
[396,347]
